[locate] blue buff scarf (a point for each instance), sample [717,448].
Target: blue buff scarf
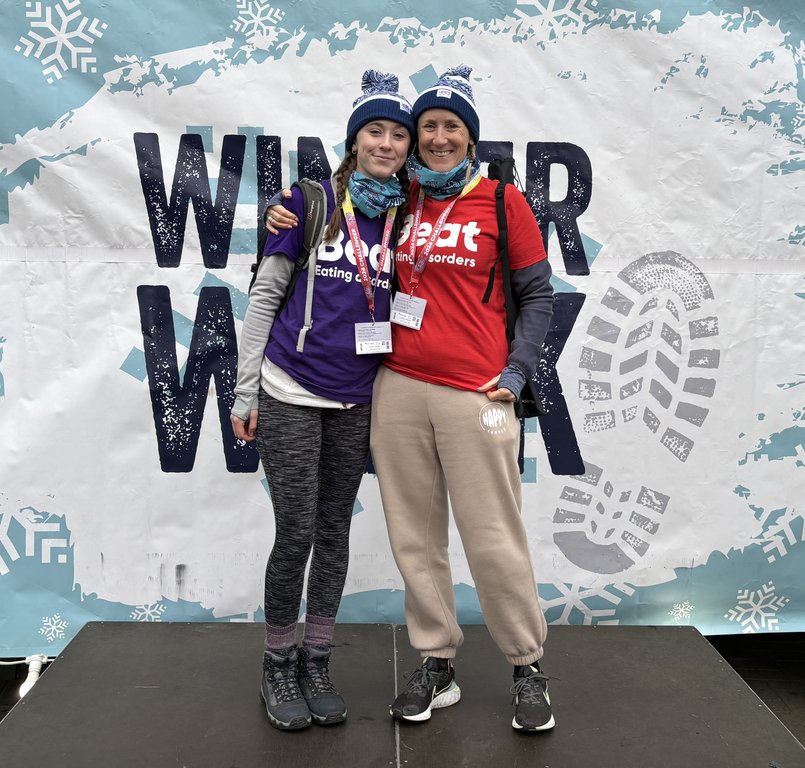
[374,197]
[441,185]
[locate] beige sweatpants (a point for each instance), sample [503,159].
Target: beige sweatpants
[430,440]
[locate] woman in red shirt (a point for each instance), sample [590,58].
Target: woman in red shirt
[443,421]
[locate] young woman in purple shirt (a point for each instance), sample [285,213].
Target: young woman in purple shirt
[304,389]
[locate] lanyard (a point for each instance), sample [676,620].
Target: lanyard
[421,261]
[357,249]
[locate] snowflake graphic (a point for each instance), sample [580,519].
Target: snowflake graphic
[53,627]
[256,18]
[151,612]
[45,535]
[60,44]
[681,610]
[757,610]
[556,17]
[781,532]
[574,599]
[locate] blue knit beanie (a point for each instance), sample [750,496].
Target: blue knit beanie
[381,100]
[453,92]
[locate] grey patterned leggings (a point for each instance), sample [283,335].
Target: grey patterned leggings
[314,459]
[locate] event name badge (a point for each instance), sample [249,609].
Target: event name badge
[408,311]
[372,338]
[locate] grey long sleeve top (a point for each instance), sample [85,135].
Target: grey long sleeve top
[266,294]
[532,290]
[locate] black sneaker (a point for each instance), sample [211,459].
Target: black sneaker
[279,691]
[532,705]
[325,703]
[428,688]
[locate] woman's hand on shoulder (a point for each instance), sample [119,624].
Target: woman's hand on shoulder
[244,430]
[279,217]
[490,388]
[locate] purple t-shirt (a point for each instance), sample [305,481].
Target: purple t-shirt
[329,366]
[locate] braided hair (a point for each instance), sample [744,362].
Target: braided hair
[340,181]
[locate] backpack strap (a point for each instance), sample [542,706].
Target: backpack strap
[504,171]
[503,239]
[314,206]
[503,257]
[315,224]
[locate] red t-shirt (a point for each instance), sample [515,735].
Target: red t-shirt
[461,342]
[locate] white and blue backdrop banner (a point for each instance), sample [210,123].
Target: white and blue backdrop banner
[660,145]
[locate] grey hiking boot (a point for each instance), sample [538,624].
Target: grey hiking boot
[325,703]
[279,690]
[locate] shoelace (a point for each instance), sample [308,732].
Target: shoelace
[317,675]
[529,688]
[285,686]
[419,681]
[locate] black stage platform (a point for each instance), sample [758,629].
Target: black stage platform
[186,696]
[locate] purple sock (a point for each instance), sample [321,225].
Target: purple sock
[280,638]
[318,630]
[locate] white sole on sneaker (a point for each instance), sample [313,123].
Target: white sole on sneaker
[446,698]
[547,727]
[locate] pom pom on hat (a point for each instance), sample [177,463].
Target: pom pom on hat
[377,82]
[452,91]
[380,100]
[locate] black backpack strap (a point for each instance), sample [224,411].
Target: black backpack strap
[503,239]
[315,208]
[508,296]
[503,258]
[315,224]
[315,211]
[489,285]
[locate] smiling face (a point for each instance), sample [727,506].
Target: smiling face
[381,149]
[443,139]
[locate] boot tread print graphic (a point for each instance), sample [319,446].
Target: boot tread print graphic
[650,350]
[605,531]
